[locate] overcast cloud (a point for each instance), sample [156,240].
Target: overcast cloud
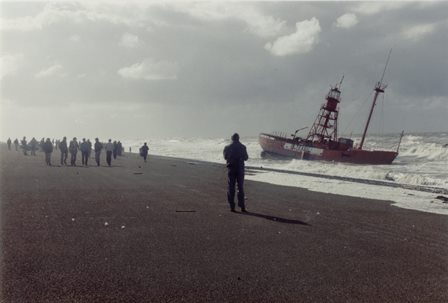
[140,70]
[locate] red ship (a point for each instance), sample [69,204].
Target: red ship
[322,142]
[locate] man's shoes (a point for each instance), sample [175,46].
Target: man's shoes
[243,210]
[233,210]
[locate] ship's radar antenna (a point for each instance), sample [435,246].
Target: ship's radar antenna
[340,82]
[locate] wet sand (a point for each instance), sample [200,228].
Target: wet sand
[162,232]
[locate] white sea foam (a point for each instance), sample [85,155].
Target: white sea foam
[410,199]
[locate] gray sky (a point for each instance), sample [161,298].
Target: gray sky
[208,69]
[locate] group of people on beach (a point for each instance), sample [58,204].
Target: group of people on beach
[235,155]
[113,149]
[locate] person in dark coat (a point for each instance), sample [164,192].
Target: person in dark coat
[144,151]
[64,151]
[84,147]
[235,154]
[97,147]
[89,149]
[115,150]
[24,146]
[73,149]
[9,143]
[48,149]
[33,146]
[119,148]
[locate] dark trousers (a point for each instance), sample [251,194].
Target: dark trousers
[85,157]
[97,157]
[48,158]
[64,155]
[73,159]
[235,176]
[109,157]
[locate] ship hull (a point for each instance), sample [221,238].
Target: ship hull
[308,151]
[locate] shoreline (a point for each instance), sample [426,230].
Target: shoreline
[432,204]
[170,237]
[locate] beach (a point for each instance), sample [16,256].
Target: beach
[162,231]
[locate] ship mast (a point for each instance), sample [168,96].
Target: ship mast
[379,88]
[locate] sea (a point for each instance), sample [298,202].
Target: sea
[417,179]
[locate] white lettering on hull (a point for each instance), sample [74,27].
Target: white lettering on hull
[304,149]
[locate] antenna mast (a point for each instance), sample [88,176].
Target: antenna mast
[379,88]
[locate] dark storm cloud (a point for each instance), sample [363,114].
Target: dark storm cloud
[214,63]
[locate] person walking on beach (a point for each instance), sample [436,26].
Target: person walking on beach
[41,144]
[16,144]
[48,149]
[89,148]
[97,147]
[115,151]
[73,149]
[33,146]
[64,151]
[9,143]
[144,151]
[84,147]
[109,149]
[119,149]
[235,154]
[24,146]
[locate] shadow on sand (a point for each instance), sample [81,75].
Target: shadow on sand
[275,219]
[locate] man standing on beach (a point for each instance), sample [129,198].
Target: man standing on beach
[115,151]
[64,151]
[89,148]
[235,154]
[109,149]
[144,151]
[73,149]
[48,149]
[84,147]
[9,143]
[97,147]
[33,146]
[119,148]
[24,146]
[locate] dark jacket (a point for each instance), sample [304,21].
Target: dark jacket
[47,147]
[63,146]
[235,155]
[73,147]
[144,150]
[98,146]
[84,147]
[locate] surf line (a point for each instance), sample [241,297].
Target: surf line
[435,190]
